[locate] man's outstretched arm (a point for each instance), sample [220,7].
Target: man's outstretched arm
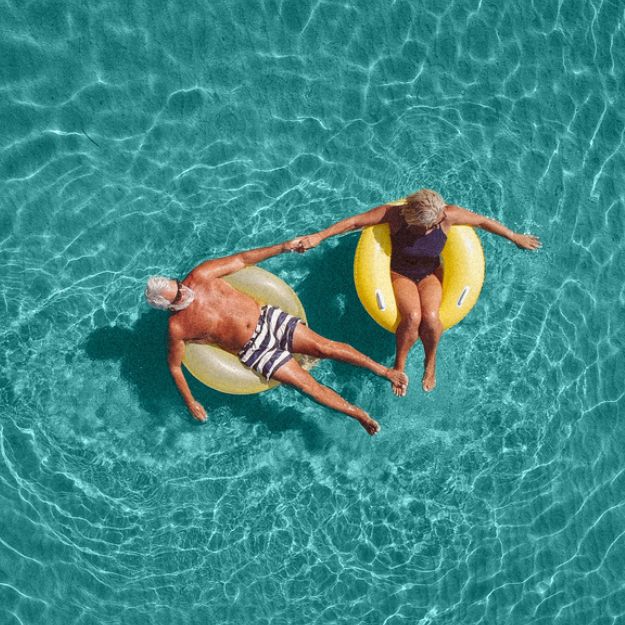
[174,360]
[229,264]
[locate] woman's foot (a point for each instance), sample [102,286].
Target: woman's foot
[429,377]
[399,381]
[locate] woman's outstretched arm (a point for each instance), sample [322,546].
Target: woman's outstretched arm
[458,216]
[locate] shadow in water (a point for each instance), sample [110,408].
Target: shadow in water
[142,352]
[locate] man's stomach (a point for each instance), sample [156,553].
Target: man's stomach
[230,329]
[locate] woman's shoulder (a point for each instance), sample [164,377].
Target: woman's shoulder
[458,216]
[394,218]
[452,210]
[453,215]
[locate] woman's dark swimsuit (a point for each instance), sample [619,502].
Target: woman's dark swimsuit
[416,255]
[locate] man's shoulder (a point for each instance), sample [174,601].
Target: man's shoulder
[203,272]
[176,327]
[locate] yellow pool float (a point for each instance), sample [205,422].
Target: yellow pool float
[463,275]
[222,370]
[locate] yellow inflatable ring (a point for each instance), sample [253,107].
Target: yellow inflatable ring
[222,370]
[463,275]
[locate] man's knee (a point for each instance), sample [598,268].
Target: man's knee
[298,379]
[310,387]
[325,348]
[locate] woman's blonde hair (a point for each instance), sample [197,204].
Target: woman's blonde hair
[423,208]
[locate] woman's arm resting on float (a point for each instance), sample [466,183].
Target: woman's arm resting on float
[458,216]
[371,217]
[229,264]
[174,360]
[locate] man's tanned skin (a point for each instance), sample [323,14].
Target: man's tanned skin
[221,315]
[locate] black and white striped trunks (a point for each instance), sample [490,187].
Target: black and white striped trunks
[271,344]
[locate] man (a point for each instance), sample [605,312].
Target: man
[206,309]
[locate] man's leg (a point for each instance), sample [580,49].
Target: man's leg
[292,373]
[307,342]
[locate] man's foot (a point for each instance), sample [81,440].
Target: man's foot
[429,377]
[371,425]
[399,381]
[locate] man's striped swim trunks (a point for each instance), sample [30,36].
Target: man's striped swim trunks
[271,345]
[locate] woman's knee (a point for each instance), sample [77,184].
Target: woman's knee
[412,320]
[430,322]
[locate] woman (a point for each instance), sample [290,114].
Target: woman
[419,229]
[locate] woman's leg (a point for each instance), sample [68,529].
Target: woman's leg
[408,301]
[431,328]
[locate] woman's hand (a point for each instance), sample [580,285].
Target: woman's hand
[305,243]
[294,245]
[197,410]
[527,241]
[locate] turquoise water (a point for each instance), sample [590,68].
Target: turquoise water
[143,137]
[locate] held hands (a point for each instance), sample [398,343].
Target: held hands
[527,241]
[197,410]
[305,243]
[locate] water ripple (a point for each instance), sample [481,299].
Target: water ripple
[139,141]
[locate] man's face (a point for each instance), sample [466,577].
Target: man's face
[180,296]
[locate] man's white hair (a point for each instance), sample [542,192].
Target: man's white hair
[154,292]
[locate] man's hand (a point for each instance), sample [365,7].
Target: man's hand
[305,243]
[527,241]
[291,246]
[197,410]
